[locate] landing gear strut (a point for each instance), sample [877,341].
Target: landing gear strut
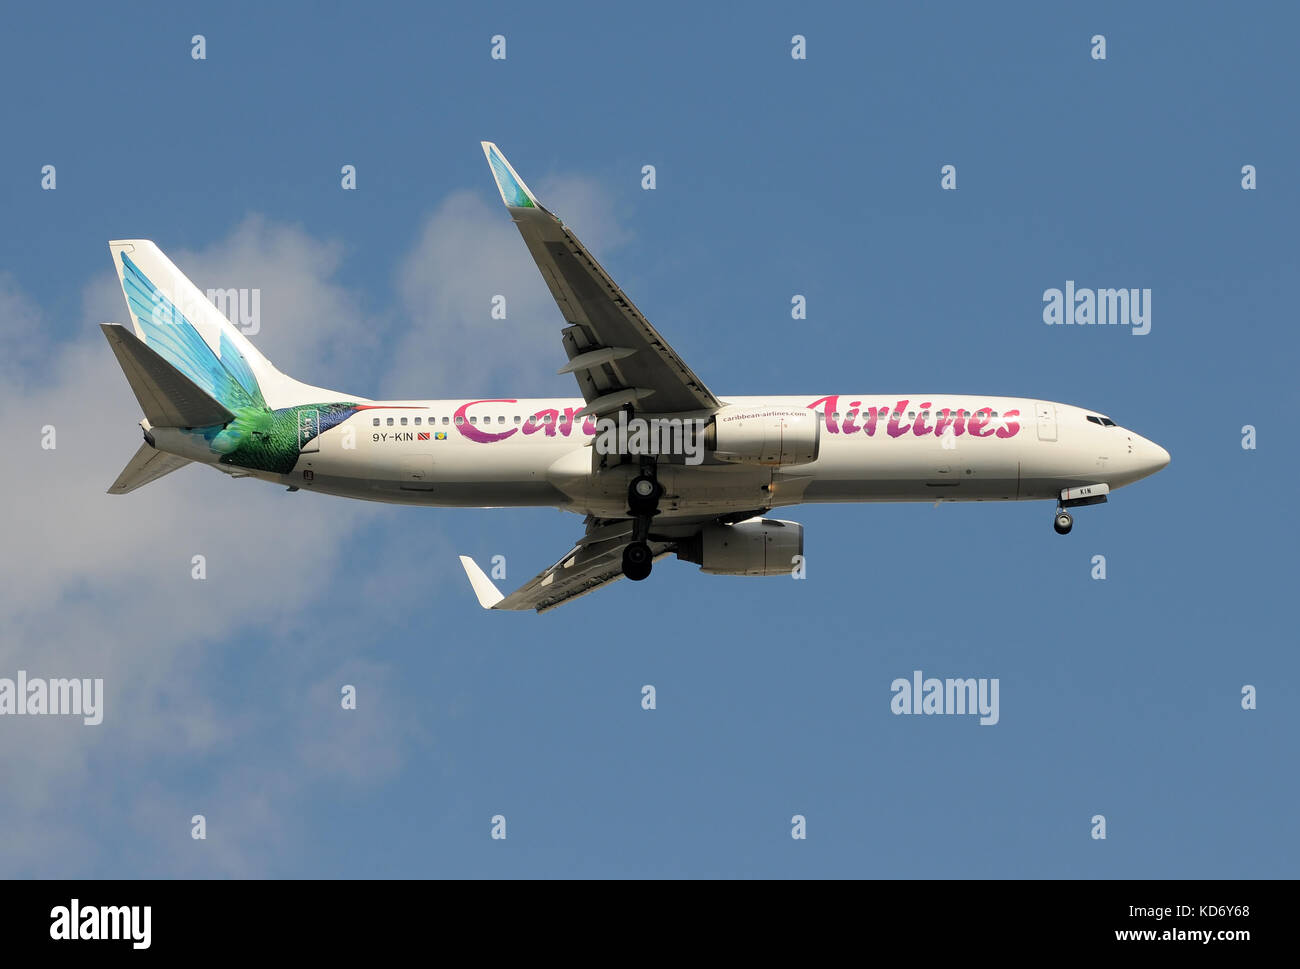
[643,503]
[1064,522]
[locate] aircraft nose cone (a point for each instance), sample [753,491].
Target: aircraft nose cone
[1154,457]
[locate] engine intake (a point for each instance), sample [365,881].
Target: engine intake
[759,546]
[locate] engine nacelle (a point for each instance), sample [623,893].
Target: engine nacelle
[777,436]
[759,546]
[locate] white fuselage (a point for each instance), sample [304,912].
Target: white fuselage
[502,452]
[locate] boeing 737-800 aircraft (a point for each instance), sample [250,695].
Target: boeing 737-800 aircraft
[654,459]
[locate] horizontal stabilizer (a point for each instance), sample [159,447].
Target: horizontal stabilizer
[167,397]
[148,465]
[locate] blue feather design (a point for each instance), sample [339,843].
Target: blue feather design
[167,331]
[511,190]
[237,366]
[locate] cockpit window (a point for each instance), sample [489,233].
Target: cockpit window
[1103,421]
[1095,420]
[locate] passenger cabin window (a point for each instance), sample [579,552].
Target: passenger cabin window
[444,420]
[516,418]
[459,419]
[376,422]
[501,419]
[417,422]
[390,422]
[532,419]
[403,421]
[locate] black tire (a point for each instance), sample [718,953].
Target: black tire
[643,495]
[637,561]
[1063,523]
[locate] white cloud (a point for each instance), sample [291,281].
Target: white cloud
[98,585]
[22,339]
[312,328]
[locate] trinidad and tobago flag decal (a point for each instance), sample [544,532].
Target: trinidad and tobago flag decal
[423,437]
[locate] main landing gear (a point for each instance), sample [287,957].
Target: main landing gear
[637,561]
[643,503]
[1064,522]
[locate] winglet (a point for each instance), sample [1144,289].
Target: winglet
[488,594]
[512,188]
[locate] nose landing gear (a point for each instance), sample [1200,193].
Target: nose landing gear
[1076,497]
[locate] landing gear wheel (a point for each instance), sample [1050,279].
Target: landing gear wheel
[637,561]
[643,495]
[1063,523]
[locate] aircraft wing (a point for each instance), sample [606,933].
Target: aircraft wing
[618,358]
[596,561]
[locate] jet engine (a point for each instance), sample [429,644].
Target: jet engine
[759,546]
[777,436]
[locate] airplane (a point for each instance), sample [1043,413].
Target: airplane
[656,461]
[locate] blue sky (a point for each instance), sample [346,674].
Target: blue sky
[774,177]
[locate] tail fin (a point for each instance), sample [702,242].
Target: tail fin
[174,318]
[147,465]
